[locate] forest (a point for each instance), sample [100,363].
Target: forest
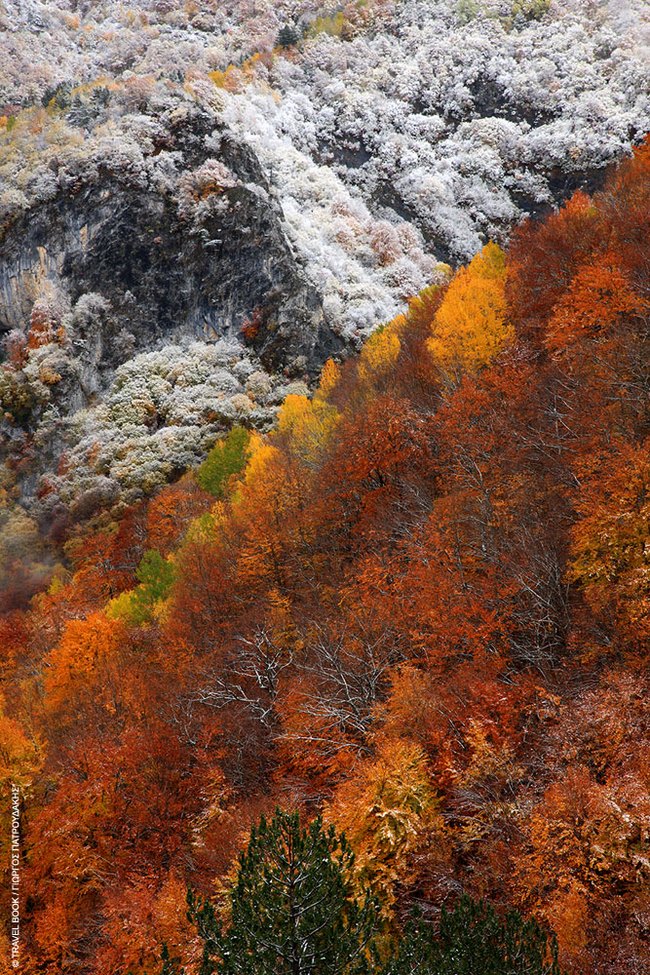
[403,634]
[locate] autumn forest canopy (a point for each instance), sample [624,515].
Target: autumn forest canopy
[404,636]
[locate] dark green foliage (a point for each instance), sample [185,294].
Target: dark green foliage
[226,458]
[473,939]
[86,110]
[170,965]
[288,36]
[57,95]
[292,910]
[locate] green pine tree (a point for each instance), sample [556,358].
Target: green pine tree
[288,35]
[473,939]
[292,911]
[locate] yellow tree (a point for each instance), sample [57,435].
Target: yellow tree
[268,509]
[380,352]
[84,679]
[306,426]
[471,327]
[329,379]
[387,810]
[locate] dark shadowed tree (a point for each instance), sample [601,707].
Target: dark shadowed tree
[473,939]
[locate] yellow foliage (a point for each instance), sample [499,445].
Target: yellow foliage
[268,500]
[329,379]
[386,809]
[470,326]
[84,648]
[381,351]
[488,761]
[58,581]
[308,425]
[263,455]
[334,24]
[231,79]
[235,77]
[19,755]
[206,527]
[121,607]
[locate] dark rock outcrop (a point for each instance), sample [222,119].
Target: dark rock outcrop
[186,260]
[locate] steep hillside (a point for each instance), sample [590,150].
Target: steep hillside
[280,178]
[324,429]
[419,606]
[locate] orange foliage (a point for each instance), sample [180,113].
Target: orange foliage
[598,295]
[611,547]
[422,607]
[170,512]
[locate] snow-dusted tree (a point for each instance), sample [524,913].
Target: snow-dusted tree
[292,908]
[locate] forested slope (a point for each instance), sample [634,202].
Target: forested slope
[419,606]
[200,203]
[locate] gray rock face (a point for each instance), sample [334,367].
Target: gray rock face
[200,253]
[145,277]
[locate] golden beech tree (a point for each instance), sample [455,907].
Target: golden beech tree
[84,678]
[470,327]
[306,426]
[388,811]
[329,379]
[269,513]
[380,352]
[20,754]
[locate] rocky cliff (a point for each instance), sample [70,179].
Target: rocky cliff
[189,246]
[198,207]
